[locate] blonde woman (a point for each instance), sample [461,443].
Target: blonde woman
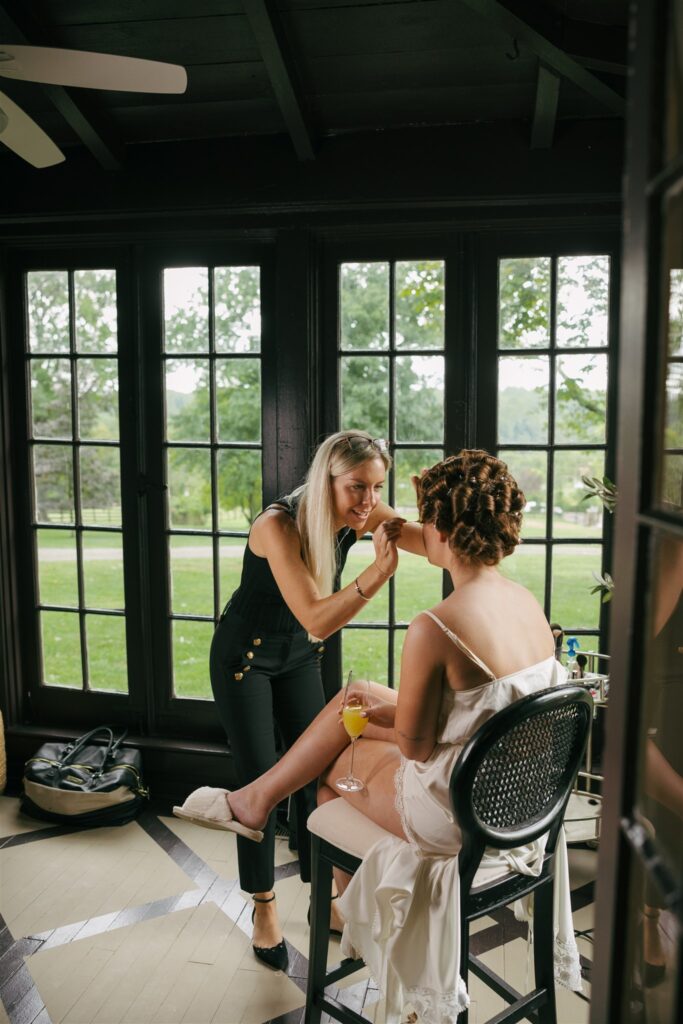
[267,649]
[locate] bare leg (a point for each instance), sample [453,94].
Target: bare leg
[307,759]
[267,931]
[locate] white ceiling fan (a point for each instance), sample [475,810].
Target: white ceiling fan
[74,68]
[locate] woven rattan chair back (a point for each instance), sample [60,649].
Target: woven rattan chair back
[514,777]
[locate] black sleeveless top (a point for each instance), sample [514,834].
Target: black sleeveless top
[258,598]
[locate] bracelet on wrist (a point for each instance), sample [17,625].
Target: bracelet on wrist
[387,575]
[359,591]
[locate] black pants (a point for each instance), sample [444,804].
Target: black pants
[256,678]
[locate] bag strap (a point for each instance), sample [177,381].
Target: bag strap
[72,750]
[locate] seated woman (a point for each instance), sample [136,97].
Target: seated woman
[400,905]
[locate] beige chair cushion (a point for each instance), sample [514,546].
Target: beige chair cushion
[345,827]
[348,829]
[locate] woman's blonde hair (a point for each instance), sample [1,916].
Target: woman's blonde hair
[315,519]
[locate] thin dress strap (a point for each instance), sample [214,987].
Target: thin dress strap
[461,645]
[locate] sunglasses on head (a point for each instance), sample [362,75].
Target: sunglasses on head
[359,443]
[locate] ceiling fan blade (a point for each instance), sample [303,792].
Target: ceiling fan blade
[86,70]
[23,136]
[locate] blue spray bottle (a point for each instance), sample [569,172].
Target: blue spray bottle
[572,647]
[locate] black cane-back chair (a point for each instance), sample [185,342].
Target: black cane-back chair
[509,786]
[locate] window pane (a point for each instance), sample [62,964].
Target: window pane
[582,301]
[98,399]
[573,605]
[365,394]
[572,515]
[95,301]
[675,313]
[581,399]
[187,400]
[61,648]
[672,481]
[231,556]
[418,586]
[659,785]
[523,399]
[671,471]
[186,309]
[527,566]
[238,399]
[189,488]
[101,486]
[419,304]
[240,488]
[661,772]
[107,663]
[51,398]
[237,309]
[419,398]
[57,578]
[48,310]
[409,463]
[524,303]
[103,570]
[365,651]
[54,483]
[674,407]
[191,576]
[364,305]
[191,643]
[530,470]
[361,555]
[651,908]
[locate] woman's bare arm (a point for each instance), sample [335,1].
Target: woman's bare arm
[277,539]
[410,538]
[419,698]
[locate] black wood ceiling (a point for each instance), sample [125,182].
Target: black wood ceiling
[311,69]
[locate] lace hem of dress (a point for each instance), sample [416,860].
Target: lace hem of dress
[567,965]
[426,1006]
[399,804]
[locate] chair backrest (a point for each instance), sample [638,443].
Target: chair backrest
[513,779]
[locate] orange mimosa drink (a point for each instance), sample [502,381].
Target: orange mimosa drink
[353,719]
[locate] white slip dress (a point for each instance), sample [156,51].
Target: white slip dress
[402,907]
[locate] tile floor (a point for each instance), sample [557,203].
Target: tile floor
[146,924]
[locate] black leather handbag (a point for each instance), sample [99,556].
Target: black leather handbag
[85,782]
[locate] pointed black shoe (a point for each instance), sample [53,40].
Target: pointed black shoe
[276,957]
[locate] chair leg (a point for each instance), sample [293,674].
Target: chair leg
[544,951]
[463,1017]
[321,894]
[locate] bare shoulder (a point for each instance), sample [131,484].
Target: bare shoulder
[423,627]
[273,528]
[424,637]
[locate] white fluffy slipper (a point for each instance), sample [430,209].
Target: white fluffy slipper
[210,807]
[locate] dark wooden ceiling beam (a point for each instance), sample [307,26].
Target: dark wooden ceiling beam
[607,67]
[551,55]
[275,51]
[88,122]
[545,108]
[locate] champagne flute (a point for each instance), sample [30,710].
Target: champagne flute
[354,722]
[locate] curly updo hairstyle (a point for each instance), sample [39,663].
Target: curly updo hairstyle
[473,498]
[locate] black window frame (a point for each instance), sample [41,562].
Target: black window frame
[300,386]
[532,245]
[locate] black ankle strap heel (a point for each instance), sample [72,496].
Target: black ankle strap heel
[273,956]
